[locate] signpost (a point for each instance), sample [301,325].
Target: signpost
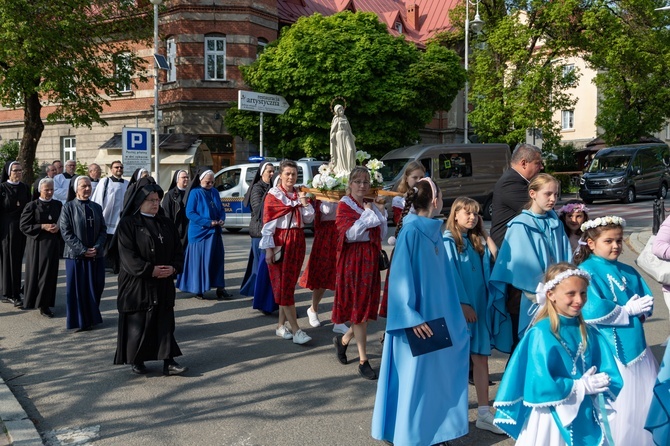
[136,143]
[263,103]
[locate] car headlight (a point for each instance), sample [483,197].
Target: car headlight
[617,180]
[582,181]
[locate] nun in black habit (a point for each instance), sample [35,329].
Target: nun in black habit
[39,222]
[174,204]
[151,255]
[14,195]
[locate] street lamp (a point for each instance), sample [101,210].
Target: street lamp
[477,25]
[156,4]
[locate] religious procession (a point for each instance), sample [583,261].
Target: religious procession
[544,285]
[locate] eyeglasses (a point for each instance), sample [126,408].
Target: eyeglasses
[117,167]
[17,170]
[361,183]
[154,201]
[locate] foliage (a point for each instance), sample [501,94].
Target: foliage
[65,55]
[391,88]
[516,76]
[561,159]
[9,151]
[629,43]
[81,169]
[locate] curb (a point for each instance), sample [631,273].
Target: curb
[20,429]
[637,240]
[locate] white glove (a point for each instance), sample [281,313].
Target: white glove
[595,383]
[638,305]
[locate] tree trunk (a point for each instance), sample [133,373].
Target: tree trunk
[32,132]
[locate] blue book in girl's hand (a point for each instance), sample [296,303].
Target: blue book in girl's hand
[440,339]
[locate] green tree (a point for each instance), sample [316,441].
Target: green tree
[391,88]
[516,76]
[69,54]
[629,43]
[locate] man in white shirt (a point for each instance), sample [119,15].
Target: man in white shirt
[109,195]
[94,173]
[62,181]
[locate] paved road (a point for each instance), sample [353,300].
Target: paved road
[245,386]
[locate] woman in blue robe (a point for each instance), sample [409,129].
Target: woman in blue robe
[658,420]
[562,374]
[203,263]
[534,240]
[431,404]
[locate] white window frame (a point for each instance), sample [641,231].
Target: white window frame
[123,88]
[171,51]
[260,46]
[69,147]
[567,120]
[216,56]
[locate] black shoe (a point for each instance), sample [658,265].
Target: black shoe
[365,370]
[172,368]
[340,349]
[18,302]
[221,293]
[47,313]
[139,369]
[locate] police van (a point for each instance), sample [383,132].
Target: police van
[232,182]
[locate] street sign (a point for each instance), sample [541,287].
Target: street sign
[261,102]
[136,143]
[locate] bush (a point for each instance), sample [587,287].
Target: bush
[9,151]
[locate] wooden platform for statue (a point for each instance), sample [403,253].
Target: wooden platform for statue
[334,196]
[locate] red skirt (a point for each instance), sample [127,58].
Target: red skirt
[321,266]
[358,284]
[284,275]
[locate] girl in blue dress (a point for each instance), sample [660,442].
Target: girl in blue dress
[620,301]
[534,240]
[658,420]
[422,400]
[470,250]
[562,375]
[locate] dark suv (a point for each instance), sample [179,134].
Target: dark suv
[623,172]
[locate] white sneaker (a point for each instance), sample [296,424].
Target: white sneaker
[284,332]
[300,337]
[485,422]
[340,328]
[313,317]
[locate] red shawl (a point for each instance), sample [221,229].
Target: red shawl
[274,208]
[346,217]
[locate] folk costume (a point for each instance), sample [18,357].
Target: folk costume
[358,283]
[82,226]
[541,400]
[421,400]
[612,285]
[473,273]
[321,266]
[254,199]
[204,265]
[13,198]
[42,253]
[284,217]
[658,421]
[532,243]
[146,303]
[174,205]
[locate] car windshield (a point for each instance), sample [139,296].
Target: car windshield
[610,163]
[393,167]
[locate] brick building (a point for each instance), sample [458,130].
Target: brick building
[205,43]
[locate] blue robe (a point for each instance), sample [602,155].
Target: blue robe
[431,406]
[204,257]
[658,420]
[474,270]
[541,374]
[532,243]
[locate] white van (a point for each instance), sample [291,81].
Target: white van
[232,183]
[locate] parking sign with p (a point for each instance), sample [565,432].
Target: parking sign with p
[136,143]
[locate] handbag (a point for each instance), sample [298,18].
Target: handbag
[658,269]
[278,251]
[440,339]
[384,261]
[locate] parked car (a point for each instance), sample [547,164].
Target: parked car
[624,172]
[232,183]
[469,170]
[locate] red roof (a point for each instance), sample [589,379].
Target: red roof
[433,14]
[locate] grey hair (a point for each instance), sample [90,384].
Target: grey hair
[525,152]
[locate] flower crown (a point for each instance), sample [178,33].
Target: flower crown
[603,221]
[573,207]
[543,288]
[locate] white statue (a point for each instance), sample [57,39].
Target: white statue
[342,143]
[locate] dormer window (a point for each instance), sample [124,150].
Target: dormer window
[398,27]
